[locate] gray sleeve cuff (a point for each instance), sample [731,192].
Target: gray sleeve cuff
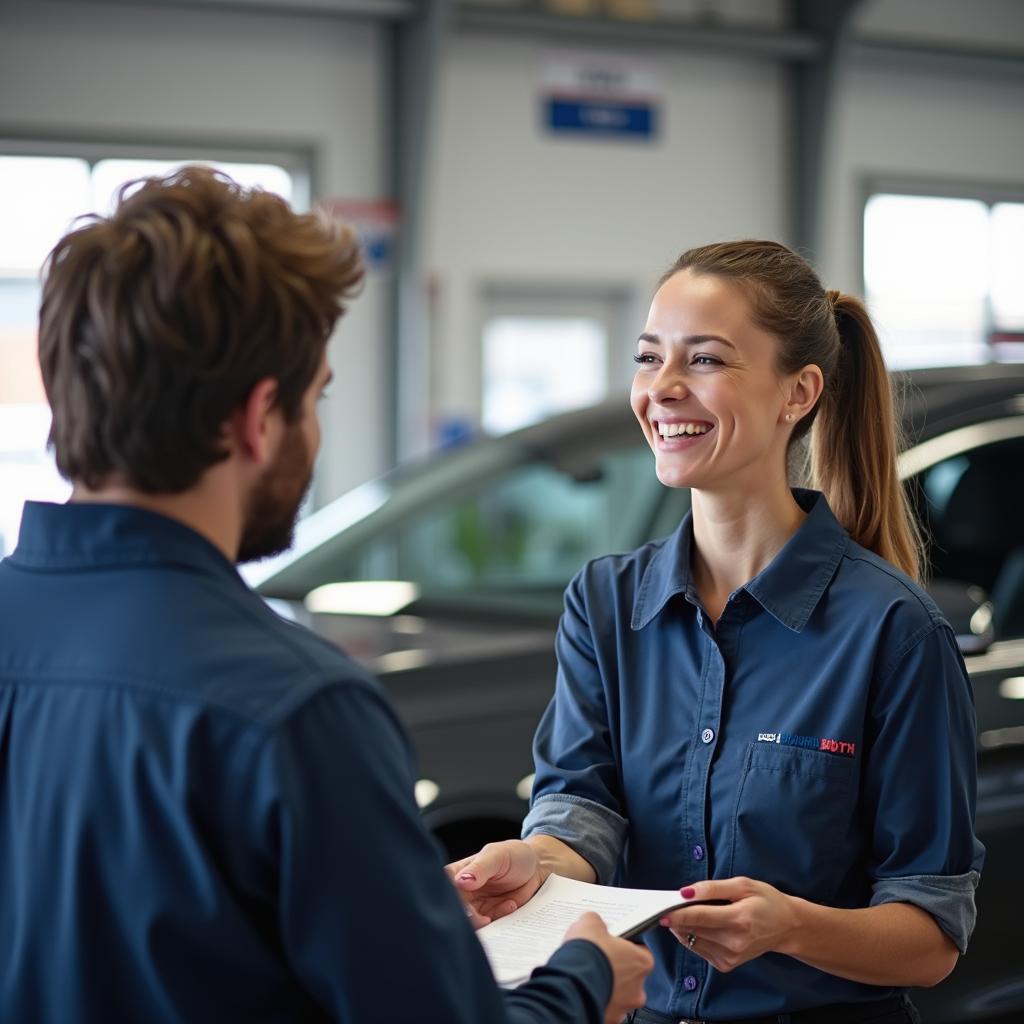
[591,829]
[948,898]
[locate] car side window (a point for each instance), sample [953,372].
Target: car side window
[970,506]
[530,529]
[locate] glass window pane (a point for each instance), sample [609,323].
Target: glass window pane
[20,382]
[536,366]
[1008,266]
[927,270]
[970,508]
[110,175]
[27,470]
[39,198]
[521,535]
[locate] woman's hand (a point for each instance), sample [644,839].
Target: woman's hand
[497,880]
[758,919]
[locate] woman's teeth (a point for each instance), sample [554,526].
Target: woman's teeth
[675,429]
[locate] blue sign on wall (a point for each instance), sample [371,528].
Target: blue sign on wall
[600,117]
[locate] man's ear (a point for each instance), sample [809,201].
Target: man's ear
[803,392]
[256,425]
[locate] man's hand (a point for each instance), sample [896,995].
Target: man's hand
[497,880]
[631,963]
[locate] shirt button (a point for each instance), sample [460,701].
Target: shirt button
[707,735]
[689,983]
[698,852]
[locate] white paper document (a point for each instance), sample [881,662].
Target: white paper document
[526,938]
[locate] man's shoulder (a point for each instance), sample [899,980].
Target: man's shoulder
[276,665]
[167,634]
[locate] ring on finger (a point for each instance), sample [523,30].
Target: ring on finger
[691,940]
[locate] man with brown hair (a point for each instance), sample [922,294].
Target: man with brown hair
[206,813]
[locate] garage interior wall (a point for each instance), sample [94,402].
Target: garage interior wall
[510,203]
[505,202]
[946,124]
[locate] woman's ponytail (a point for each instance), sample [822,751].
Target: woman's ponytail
[854,443]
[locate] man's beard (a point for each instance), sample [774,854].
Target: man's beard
[269,526]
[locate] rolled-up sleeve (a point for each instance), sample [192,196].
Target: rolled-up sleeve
[921,784]
[576,793]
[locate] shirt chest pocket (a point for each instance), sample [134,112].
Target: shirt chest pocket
[795,822]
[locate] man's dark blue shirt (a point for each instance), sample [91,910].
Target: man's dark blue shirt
[206,812]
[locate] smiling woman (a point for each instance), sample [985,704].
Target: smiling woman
[767,772]
[797,353]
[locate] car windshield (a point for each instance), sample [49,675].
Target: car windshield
[520,537]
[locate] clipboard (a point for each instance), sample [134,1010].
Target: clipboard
[634,934]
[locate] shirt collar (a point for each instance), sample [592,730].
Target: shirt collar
[788,588]
[86,535]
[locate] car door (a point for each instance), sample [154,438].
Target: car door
[970,502]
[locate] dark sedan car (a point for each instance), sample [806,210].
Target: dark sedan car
[446,581]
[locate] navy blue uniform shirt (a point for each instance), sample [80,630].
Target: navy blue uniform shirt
[820,737]
[207,813]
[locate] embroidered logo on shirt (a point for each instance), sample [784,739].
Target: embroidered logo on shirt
[826,744]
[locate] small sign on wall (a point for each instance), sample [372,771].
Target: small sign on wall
[592,94]
[376,223]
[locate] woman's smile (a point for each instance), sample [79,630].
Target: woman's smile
[679,435]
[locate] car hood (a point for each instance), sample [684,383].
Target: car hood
[418,639]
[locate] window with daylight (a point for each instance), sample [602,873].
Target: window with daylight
[536,366]
[40,196]
[944,278]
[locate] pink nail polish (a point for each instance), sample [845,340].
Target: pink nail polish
[467,876]
[688,893]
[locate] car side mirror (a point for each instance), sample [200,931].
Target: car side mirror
[968,610]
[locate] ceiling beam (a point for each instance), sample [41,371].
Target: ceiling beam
[793,45]
[812,99]
[767,44]
[386,10]
[918,56]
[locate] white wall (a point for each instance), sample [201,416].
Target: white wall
[153,73]
[511,202]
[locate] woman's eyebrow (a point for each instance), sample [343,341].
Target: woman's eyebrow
[691,339]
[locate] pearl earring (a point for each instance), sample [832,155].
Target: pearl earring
[789,416]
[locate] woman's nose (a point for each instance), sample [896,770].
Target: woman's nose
[668,386]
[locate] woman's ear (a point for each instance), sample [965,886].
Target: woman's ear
[802,393]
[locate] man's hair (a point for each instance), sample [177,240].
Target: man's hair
[157,322]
